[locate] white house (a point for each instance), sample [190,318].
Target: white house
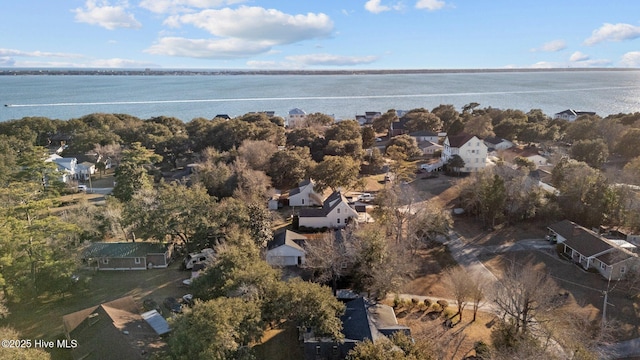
[612,258]
[296,117]
[497,143]
[571,114]
[286,249]
[470,148]
[85,170]
[429,147]
[421,136]
[304,195]
[334,213]
[67,167]
[530,153]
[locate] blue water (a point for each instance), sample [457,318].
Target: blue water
[189,97]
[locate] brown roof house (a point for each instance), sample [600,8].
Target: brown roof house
[127,255]
[470,148]
[112,330]
[612,258]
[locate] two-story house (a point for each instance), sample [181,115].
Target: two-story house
[303,195]
[334,213]
[296,117]
[470,148]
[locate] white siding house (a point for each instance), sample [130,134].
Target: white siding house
[286,249]
[334,213]
[296,117]
[469,147]
[303,195]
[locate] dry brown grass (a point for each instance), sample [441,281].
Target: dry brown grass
[454,342]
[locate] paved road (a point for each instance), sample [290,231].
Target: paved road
[467,256]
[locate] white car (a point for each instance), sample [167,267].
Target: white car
[82,188]
[366,197]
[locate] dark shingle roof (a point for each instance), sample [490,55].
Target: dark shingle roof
[423,133]
[327,206]
[301,185]
[123,250]
[580,239]
[459,140]
[287,237]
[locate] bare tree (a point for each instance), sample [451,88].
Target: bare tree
[329,257]
[477,293]
[524,292]
[461,286]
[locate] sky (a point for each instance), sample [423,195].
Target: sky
[319,34]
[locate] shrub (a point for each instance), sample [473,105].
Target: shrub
[396,302]
[427,303]
[482,350]
[447,313]
[443,303]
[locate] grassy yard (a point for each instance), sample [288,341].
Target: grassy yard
[41,318]
[281,344]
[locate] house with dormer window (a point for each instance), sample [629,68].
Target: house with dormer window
[334,213]
[469,147]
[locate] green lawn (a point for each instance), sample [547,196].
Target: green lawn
[41,318]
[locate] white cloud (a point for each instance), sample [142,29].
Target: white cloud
[631,59]
[552,46]
[175,6]
[101,13]
[119,63]
[258,24]
[273,65]
[207,48]
[613,32]
[544,65]
[329,59]
[375,6]
[20,53]
[430,5]
[578,56]
[7,61]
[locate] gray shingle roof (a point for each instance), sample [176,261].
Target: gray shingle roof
[123,250]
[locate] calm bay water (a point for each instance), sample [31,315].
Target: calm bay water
[189,97]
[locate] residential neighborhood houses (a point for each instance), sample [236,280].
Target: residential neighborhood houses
[301,214]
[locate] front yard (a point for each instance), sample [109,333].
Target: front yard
[41,318]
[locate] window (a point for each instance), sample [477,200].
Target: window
[473,151]
[603,266]
[623,269]
[477,160]
[338,221]
[105,260]
[317,349]
[302,201]
[137,260]
[338,210]
[335,350]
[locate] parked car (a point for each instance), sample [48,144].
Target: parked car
[173,305]
[187,299]
[198,258]
[82,188]
[366,197]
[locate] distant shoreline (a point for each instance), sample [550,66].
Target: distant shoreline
[192,72]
